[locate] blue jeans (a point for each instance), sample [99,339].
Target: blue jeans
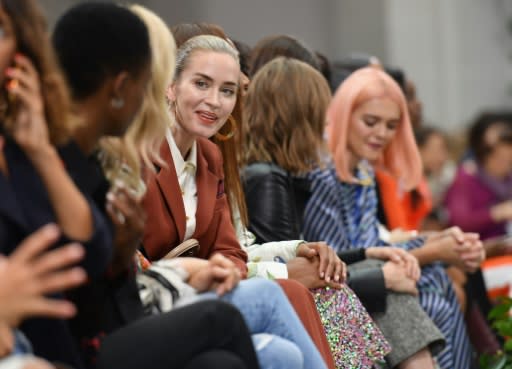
[274,352]
[266,309]
[21,353]
[21,344]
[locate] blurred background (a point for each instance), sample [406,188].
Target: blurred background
[458,52]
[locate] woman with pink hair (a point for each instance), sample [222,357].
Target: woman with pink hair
[369,126]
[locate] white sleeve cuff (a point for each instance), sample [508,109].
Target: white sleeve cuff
[267,270]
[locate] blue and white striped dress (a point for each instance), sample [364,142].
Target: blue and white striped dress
[345,216]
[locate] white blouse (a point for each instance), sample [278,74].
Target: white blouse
[186,171]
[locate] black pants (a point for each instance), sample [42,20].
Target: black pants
[207,335]
[216,359]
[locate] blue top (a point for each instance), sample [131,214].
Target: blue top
[345,214]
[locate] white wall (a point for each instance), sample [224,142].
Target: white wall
[54,8]
[483,56]
[455,51]
[358,26]
[249,20]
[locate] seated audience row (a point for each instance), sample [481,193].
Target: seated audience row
[158,178]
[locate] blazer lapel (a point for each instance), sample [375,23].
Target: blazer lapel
[207,187]
[169,186]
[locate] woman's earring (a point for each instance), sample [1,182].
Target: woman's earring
[224,137]
[117,102]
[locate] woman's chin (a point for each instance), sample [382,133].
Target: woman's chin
[371,157]
[206,132]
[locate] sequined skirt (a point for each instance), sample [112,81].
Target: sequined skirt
[355,340]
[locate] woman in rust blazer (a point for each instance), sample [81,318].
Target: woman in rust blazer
[166,223]
[185,197]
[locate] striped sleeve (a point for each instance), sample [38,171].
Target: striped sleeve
[411,244]
[322,221]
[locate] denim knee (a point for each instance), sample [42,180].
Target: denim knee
[264,288]
[277,353]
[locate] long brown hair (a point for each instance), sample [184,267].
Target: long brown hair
[232,148]
[286,128]
[32,40]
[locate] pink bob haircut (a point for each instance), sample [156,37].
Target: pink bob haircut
[401,157]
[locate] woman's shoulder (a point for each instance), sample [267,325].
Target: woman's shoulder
[325,176]
[71,154]
[263,170]
[258,177]
[208,147]
[210,152]
[85,170]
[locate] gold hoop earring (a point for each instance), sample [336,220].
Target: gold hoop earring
[224,137]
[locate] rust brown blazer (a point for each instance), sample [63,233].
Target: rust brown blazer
[165,225]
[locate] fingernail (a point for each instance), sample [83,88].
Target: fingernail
[12,84]
[78,274]
[76,250]
[69,308]
[51,229]
[321,274]
[110,196]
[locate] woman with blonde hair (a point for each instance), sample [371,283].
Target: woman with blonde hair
[368,125]
[229,142]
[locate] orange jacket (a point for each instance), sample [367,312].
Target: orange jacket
[398,205]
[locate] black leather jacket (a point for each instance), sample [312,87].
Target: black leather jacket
[276,201]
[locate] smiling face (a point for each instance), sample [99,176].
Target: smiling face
[205,93]
[372,127]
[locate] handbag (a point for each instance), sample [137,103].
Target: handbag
[161,284]
[189,248]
